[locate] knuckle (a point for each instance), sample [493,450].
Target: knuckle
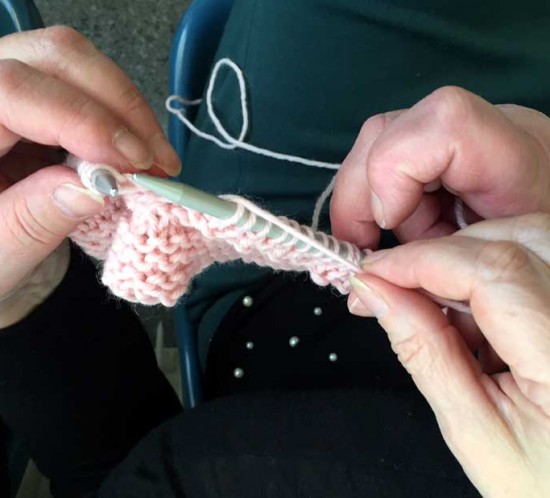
[411,353]
[61,38]
[502,259]
[374,125]
[452,106]
[372,129]
[62,44]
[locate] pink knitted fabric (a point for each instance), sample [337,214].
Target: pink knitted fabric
[151,248]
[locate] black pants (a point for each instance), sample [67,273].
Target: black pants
[325,444]
[79,384]
[80,387]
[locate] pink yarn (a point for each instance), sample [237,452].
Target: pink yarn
[153,248]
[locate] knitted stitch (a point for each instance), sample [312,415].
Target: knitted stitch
[151,248]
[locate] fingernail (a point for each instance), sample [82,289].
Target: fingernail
[77,202]
[165,155]
[377,210]
[133,149]
[374,256]
[370,299]
[356,307]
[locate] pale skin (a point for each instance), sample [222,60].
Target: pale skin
[497,422]
[493,409]
[58,91]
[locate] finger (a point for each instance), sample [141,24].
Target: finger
[50,112]
[531,120]
[37,214]
[441,366]
[428,219]
[530,230]
[518,401]
[64,53]
[473,147]
[506,285]
[418,330]
[350,207]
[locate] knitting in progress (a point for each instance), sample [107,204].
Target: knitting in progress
[152,248]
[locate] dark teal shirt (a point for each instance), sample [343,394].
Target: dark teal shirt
[317,69]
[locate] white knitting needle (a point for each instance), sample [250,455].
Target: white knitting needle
[102,179]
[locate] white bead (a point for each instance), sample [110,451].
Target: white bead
[249,345]
[238,373]
[293,341]
[317,311]
[248,301]
[333,357]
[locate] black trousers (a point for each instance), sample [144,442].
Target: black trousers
[314,444]
[79,384]
[80,387]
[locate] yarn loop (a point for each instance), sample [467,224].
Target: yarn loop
[229,142]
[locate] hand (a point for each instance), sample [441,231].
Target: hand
[58,91]
[495,158]
[495,419]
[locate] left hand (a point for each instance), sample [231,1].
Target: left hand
[58,90]
[494,413]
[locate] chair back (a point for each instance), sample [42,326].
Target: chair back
[18,15]
[193,49]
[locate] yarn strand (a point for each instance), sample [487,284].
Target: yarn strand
[230,142]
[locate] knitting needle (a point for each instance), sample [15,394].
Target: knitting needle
[209,204]
[102,179]
[105,183]
[185,195]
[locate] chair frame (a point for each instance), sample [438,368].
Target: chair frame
[192,53]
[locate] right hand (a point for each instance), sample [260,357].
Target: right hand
[494,415]
[58,91]
[406,167]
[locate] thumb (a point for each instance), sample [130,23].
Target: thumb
[37,214]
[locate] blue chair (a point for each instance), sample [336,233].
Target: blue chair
[18,15]
[15,16]
[193,49]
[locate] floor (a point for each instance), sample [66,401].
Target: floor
[137,35]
